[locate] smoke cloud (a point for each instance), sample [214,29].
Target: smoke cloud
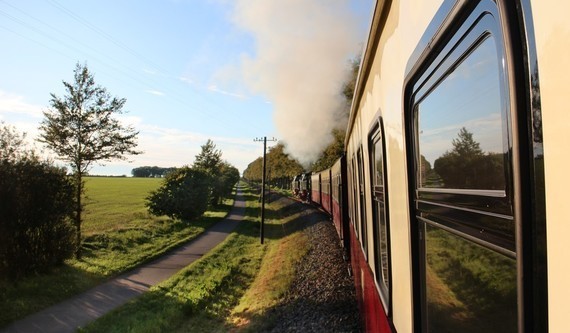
[300,63]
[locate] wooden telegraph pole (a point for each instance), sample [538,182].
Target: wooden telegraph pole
[264,139]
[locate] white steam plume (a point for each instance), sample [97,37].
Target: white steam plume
[302,52]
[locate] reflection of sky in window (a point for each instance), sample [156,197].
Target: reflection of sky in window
[469,97]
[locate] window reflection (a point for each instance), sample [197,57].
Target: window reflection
[381,227]
[469,288]
[378,157]
[460,126]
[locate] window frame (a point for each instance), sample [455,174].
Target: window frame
[490,207]
[361,191]
[376,136]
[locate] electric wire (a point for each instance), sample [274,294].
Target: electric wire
[142,81]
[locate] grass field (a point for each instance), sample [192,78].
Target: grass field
[118,235]
[232,288]
[115,203]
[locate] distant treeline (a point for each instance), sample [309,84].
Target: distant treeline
[151,171]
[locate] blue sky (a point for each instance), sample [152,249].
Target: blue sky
[191,70]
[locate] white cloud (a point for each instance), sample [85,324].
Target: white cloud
[129,120]
[215,89]
[186,79]
[12,103]
[166,147]
[155,92]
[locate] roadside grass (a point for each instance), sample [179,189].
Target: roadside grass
[118,235]
[277,271]
[230,289]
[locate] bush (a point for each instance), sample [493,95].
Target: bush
[36,206]
[184,194]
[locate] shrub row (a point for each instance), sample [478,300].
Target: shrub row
[36,205]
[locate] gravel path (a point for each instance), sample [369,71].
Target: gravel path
[322,296]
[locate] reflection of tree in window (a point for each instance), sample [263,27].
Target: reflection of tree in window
[468,99]
[428,176]
[466,166]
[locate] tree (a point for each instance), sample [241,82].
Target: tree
[81,129]
[184,194]
[281,167]
[12,144]
[253,171]
[332,152]
[466,166]
[350,84]
[229,177]
[209,160]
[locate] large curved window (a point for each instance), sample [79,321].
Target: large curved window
[464,200]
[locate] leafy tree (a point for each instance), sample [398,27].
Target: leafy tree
[332,152]
[350,84]
[229,177]
[281,167]
[11,142]
[183,194]
[466,166]
[254,169]
[209,160]
[81,129]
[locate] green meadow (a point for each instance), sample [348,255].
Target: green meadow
[115,203]
[118,234]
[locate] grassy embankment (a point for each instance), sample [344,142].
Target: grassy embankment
[118,234]
[230,289]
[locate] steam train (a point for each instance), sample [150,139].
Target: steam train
[450,198]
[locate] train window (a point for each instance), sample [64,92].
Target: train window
[362,204]
[380,216]
[352,195]
[460,125]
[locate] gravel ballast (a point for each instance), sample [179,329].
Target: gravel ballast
[322,296]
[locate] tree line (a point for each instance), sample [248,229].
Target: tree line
[280,167]
[151,171]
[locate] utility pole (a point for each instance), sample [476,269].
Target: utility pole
[264,139]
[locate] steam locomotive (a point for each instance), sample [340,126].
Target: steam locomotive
[450,196]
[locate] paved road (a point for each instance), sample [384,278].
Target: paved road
[92,304]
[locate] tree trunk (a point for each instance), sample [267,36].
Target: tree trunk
[78,214]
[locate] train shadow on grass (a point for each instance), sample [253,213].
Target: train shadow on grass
[284,216]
